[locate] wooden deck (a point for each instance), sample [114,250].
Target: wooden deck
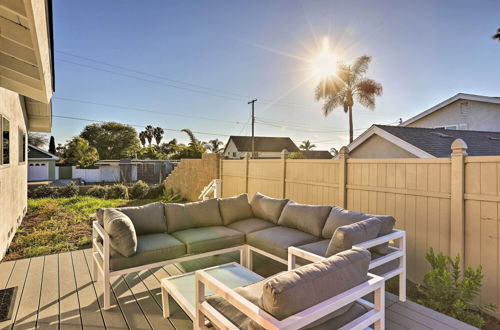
[57,291]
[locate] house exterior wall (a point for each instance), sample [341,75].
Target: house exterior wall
[469,115]
[378,147]
[13,176]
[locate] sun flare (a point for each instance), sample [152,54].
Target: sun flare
[324,64]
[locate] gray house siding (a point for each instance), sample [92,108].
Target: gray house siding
[468,115]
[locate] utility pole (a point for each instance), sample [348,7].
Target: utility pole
[253,127]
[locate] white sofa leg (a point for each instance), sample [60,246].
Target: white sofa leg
[107,291]
[402,286]
[380,306]
[95,269]
[402,276]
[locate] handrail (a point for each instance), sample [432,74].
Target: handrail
[214,186]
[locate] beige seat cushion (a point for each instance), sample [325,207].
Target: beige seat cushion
[267,208]
[192,215]
[235,208]
[204,239]
[147,219]
[347,236]
[121,231]
[296,290]
[318,248]
[151,248]
[276,240]
[248,226]
[306,218]
[340,217]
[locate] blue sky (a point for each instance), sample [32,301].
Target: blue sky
[205,59]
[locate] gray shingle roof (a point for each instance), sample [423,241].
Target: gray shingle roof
[437,141]
[317,154]
[264,144]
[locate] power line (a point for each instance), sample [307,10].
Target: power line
[214,92]
[144,110]
[136,125]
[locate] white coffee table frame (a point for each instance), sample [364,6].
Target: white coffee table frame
[169,289]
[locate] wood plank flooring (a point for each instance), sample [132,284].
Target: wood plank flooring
[58,292]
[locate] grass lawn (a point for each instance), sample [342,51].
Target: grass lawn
[55,225]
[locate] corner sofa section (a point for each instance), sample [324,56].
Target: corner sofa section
[170,233]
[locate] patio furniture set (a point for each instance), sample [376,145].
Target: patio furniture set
[335,258]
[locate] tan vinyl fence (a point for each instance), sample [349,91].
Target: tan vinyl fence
[449,204]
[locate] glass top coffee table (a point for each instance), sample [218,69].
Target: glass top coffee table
[182,287]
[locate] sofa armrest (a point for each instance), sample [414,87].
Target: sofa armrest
[393,236]
[294,252]
[100,248]
[297,321]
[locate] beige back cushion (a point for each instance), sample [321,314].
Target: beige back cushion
[340,217]
[267,208]
[346,236]
[293,291]
[121,231]
[147,219]
[306,218]
[192,215]
[235,208]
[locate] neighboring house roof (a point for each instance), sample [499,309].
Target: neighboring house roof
[263,144]
[132,161]
[317,154]
[459,96]
[433,142]
[35,153]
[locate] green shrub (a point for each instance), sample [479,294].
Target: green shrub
[117,191]
[68,191]
[170,196]
[97,191]
[297,155]
[139,190]
[42,191]
[155,191]
[447,291]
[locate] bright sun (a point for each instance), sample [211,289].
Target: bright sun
[324,64]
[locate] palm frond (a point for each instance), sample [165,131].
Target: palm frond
[369,86]
[334,101]
[192,138]
[361,64]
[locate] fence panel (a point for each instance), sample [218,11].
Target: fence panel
[233,177]
[415,191]
[265,176]
[312,181]
[482,212]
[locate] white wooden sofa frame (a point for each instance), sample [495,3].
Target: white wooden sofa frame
[205,311]
[101,256]
[397,236]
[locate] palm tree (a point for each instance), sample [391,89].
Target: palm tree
[149,133]
[215,145]
[496,35]
[158,134]
[349,84]
[307,145]
[142,137]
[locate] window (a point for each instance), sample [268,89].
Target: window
[234,154]
[452,127]
[5,141]
[22,146]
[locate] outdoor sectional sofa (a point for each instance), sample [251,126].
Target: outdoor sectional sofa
[130,239]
